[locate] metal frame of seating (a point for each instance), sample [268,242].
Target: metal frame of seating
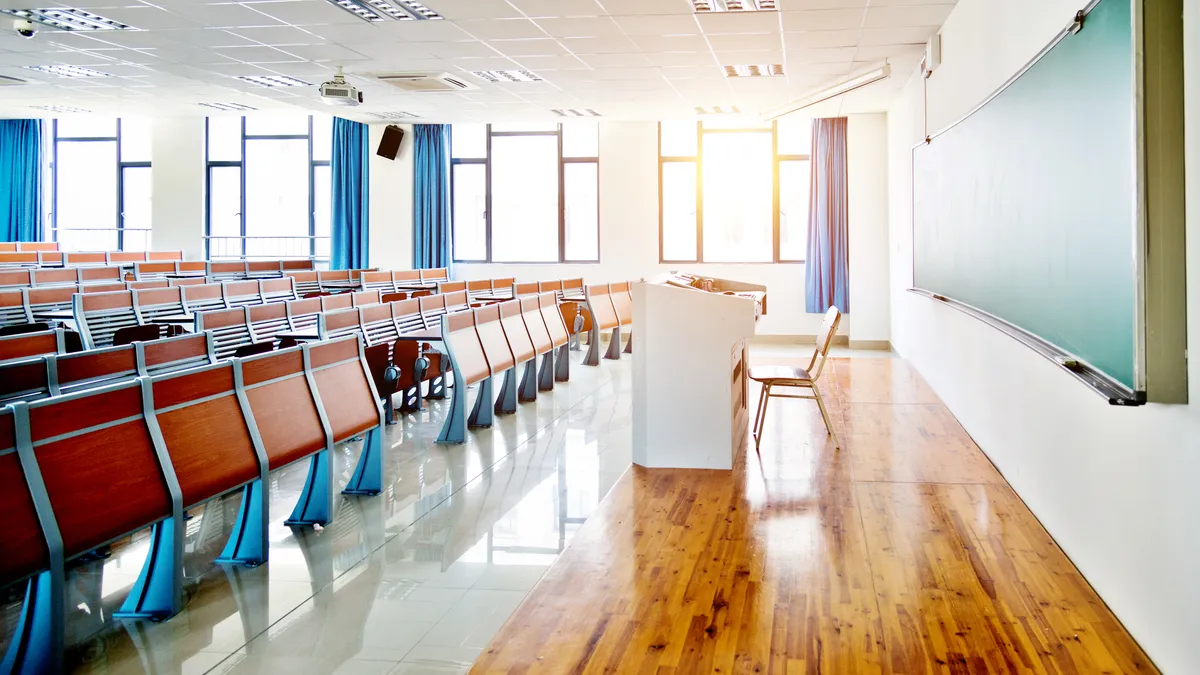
[98,316]
[559,338]
[524,351]
[230,329]
[500,360]
[28,345]
[305,281]
[470,366]
[604,317]
[203,297]
[242,292]
[14,310]
[265,321]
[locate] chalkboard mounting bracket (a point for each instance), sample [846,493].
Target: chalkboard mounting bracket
[1077,24]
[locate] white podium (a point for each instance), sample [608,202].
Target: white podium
[690,408]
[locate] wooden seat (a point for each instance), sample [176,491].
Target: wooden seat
[500,357]
[263,269]
[604,318]
[340,323]
[303,313]
[350,405]
[100,315]
[267,320]
[543,341]
[456,301]
[159,256]
[19,260]
[175,353]
[333,280]
[378,281]
[242,293]
[26,551]
[230,329]
[305,282]
[93,368]
[436,275]
[451,286]
[157,303]
[363,298]
[280,289]
[125,257]
[203,298]
[67,276]
[470,365]
[522,347]
[330,303]
[15,279]
[99,275]
[84,259]
[14,309]
[143,271]
[225,271]
[773,376]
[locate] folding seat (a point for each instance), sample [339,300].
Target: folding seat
[433,307]
[520,342]
[143,271]
[26,345]
[551,286]
[25,379]
[407,280]
[281,289]
[14,310]
[470,366]
[559,338]
[15,279]
[100,315]
[363,298]
[456,301]
[302,314]
[263,269]
[604,317]
[305,282]
[339,323]
[451,286]
[65,276]
[99,275]
[543,343]
[230,329]
[126,258]
[142,285]
[204,298]
[435,275]
[417,361]
[503,288]
[242,293]
[478,288]
[157,304]
[622,300]
[93,368]
[175,353]
[378,325]
[225,271]
[20,260]
[378,281]
[267,320]
[330,303]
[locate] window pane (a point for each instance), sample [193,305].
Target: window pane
[322,209]
[525,199]
[225,211]
[276,197]
[793,210]
[795,135]
[135,139]
[135,207]
[582,212]
[678,139]
[526,126]
[679,211]
[86,177]
[322,138]
[87,126]
[468,141]
[470,211]
[224,139]
[581,139]
[738,194]
[277,125]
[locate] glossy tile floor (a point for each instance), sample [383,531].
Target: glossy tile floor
[416,580]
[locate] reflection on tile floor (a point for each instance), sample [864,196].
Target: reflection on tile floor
[416,580]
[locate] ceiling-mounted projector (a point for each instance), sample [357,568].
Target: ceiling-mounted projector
[338,92]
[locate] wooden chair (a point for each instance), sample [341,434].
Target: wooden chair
[144,271]
[84,259]
[333,280]
[93,368]
[340,323]
[330,303]
[502,288]
[470,366]
[306,282]
[175,353]
[20,260]
[543,342]
[378,281]
[14,308]
[457,301]
[156,303]
[100,315]
[66,276]
[242,293]
[302,314]
[229,327]
[100,275]
[604,317]
[15,279]
[559,338]
[437,274]
[203,298]
[267,320]
[225,271]
[124,257]
[797,378]
[264,269]
[451,286]
[346,392]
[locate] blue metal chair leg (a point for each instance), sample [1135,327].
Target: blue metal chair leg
[506,403]
[562,364]
[455,428]
[593,351]
[481,415]
[247,543]
[368,475]
[315,506]
[158,592]
[546,374]
[529,384]
[37,643]
[614,345]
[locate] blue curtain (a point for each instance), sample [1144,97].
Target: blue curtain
[20,180]
[431,196]
[351,199]
[827,267]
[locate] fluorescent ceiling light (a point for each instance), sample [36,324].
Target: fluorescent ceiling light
[68,19]
[373,11]
[59,109]
[395,115]
[272,80]
[575,112]
[359,9]
[68,71]
[734,5]
[857,82]
[506,76]
[228,106]
[755,70]
[718,110]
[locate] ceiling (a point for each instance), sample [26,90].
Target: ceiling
[624,59]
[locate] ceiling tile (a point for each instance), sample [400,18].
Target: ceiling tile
[827,55]
[619,7]
[545,8]
[305,12]
[425,31]
[902,16]
[278,35]
[472,9]
[616,60]
[746,42]
[225,15]
[825,19]
[816,39]
[485,29]
[550,62]
[256,54]
[606,45]
[533,47]
[897,36]
[670,43]
[716,23]
[581,27]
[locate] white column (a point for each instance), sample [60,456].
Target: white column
[177,221]
[870,305]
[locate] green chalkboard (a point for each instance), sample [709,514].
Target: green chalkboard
[1027,208]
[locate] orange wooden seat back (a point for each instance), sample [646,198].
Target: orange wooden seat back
[157,354]
[531,314]
[283,407]
[226,268]
[37,246]
[16,278]
[288,265]
[155,268]
[334,275]
[515,331]
[452,286]
[377,279]
[85,258]
[553,318]
[202,294]
[573,287]
[115,301]
[221,318]
[29,344]
[95,275]
[8,247]
[406,276]
[302,276]
[242,291]
[274,311]
[478,285]
[282,288]
[164,255]
[262,266]
[191,266]
[622,302]
[339,322]
[99,464]
[150,283]
[432,304]
[346,391]
[24,545]
[463,340]
[19,259]
[600,304]
[204,431]
[66,276]
[187,281]
[504,284]
[95,365]
[492,339]
[436,274]
[12,305]
[360,298]
[126,256]
[158,300]
[544,286]
[304,312]
[103,288]
[330,303]
[526,288]
[457,301]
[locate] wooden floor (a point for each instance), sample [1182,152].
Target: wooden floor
[904,552]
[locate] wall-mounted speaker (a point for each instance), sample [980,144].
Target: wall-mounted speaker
[389,145]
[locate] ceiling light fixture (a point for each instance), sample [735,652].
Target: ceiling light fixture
[755,70]
[68,71]
[496,76]
[857,82]
[373,11]
[68,19]
[396,115]
[359,9]
[272,80]
[734,5]
[718,110]
[575,112]
[59,109]
[230,107]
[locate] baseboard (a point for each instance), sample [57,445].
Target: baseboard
[873,345]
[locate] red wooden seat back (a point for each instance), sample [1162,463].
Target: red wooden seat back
[463,341]
[24,544]
[66,276]
[23,346]
[531,314]
[221,318]
[330,303]
[24,380]
[601,306]
[95,367]
[515,331]
[492,339]
[345,388]
[99,464]
[283,406]
[174,353]
[407,315]
[554,322]
[204,431]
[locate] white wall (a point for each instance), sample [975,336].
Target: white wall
[391,210]
[866,158]
[178,183]
[1116,487]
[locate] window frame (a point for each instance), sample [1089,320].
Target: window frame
[120,185]
[562,190]
[210,164]
[698,161]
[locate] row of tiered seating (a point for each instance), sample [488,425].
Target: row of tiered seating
[245,326]
[27,246]
[611,307]
[80,470]
[82,258]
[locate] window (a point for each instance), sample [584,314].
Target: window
[100,180]
[733,194]
[269,186]
[525,193]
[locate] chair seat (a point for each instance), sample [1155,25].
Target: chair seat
[779,374]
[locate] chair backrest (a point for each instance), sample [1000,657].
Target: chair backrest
[39,343]
[338,323]
[131,334]
[125,257]
[402,277]
[407,315]
[175,353]
[187,281]
[296,265]
[435,274]
[100,315]
[622,302]
[503,286]
[123,488]
[93,368]
[282,406]
[531,314]
[242,293]
[525,288]
[344,387]
[306,282]
[432,307]
[201,423]
[267,320]
[154,283]
[230,329]
[37,246]
[84,258]
[451,286]
[203,297]
[573,288]
[378,325]
[361,298]
[466,351]
[553,317]
[164,255]
[192,267]
[224,271]
[8,247]
[331,303]
[53,299]
[103,288]
[264,268]
[491,338]
[20,259]
[479,287]
[303,313]
[333,278]
[50,259]
[515,331]
[63,276]
[14,309]
[11,279]
[829,327]
[601,306]
[457,301]
[25,550]
[154,303]
[552,286]
[26,379]
[378,281]
[99,275]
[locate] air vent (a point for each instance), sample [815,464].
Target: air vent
[5,81]
[718,110]
[229,107]
[397,115]
[575,112]
[68,71]
[496,76]
[734,5]
[272,80]
[755,70]
[426,82]
[374,10]
[59,109]
[67,18]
